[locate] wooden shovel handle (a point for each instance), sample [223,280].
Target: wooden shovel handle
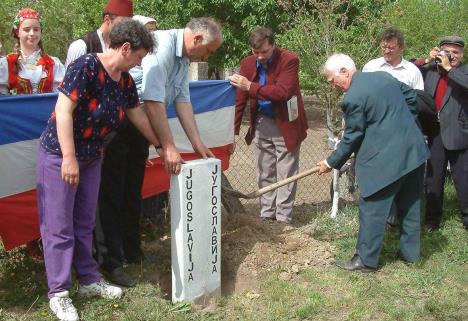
[283,182]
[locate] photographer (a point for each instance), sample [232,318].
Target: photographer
[446,80]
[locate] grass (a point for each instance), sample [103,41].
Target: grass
[434,289]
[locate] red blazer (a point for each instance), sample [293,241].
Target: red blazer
[282,82]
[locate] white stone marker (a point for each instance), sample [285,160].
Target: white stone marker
[196,231]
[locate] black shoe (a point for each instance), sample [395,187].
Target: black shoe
[119,277]
[355,264]
[267,219]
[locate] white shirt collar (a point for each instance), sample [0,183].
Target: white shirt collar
[180,43]
[101,40]
[402,63]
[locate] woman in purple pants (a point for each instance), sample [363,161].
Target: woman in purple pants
[96,97]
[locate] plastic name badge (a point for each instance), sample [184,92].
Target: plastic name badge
[293,111]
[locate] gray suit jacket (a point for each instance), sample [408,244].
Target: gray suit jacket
[454,113]
[381,129]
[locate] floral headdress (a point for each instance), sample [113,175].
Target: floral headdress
[23,14]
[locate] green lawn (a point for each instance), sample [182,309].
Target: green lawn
[434,289]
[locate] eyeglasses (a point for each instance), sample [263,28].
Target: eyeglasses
[391,49]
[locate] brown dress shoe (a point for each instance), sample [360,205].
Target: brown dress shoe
[355,264]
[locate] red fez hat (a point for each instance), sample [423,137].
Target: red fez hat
[123,8]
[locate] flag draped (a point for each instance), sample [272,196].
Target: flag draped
[23,118]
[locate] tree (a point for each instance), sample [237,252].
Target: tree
[321,28]
[425,22]
[65,21]
[238,19]
[56,24]
[318,29]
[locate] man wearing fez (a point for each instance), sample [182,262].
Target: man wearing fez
[390,151]
[98,40]
[268,83]
[446,80]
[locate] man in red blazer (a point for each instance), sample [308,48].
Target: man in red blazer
[269,84]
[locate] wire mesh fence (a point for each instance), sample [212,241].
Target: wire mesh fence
[312,189]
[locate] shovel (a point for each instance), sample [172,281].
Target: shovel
[269,188]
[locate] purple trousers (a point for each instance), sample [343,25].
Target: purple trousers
[67,216]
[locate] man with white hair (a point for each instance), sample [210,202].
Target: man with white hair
[390,155]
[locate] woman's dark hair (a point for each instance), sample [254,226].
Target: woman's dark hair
[133,32]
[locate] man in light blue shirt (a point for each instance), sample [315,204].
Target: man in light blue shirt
[161,80]
[165,81]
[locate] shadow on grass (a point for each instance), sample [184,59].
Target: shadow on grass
[343,229]
[22,280]
[431,243]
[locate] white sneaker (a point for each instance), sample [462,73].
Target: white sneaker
[62,307]
[102,289]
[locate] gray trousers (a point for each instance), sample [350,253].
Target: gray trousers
[275,163]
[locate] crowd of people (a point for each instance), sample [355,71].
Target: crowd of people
[112,97]
[382,107]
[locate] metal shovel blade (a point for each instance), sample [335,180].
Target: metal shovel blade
[268,188]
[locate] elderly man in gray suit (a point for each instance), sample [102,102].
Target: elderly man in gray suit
[380,113]
[446,79]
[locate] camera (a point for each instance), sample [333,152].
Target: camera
[438,58]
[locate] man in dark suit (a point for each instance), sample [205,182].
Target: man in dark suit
[269,83]
[446,79]
[380,113]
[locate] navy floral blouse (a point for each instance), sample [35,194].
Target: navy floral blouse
[100,110]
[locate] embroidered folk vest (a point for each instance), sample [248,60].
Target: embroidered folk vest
[23,86]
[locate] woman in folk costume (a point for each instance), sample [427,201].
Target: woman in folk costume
[28,69]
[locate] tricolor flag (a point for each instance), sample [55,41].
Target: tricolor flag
[23,118]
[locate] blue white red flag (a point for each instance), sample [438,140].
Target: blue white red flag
[23,118]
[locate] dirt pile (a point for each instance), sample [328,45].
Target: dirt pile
[250,248]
